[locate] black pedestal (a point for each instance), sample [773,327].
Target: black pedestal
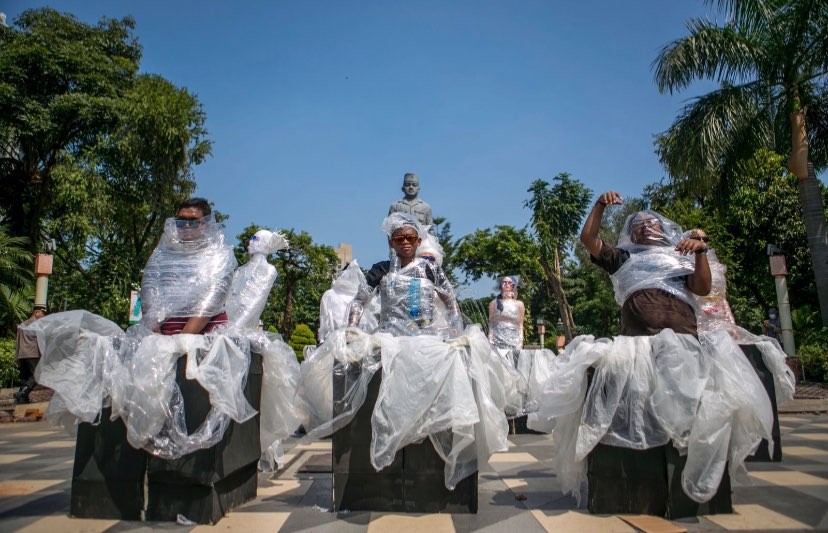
[414,482]
[762,454]
[113,480]
[625,481]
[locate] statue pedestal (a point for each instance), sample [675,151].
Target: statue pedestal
[113,480]
[413,483]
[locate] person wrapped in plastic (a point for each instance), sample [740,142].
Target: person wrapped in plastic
[506,315]
[188,275]
[91,363]
[659,382]
[333,309]
[432,387]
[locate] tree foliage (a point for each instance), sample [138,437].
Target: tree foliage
[302,336]
[16,281]
[96,156]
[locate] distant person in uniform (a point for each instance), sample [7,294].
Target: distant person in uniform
[771,325]
[411,203]
[27,354]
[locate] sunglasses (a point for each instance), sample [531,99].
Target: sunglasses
[702,239]
[429,258]
[400,239]
[188,222]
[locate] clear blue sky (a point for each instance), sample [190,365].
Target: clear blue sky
[317,108]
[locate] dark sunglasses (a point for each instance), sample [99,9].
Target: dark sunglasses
[410,239]
[702,239]
[188,222]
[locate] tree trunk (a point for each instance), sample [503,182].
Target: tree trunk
[553,280]
[813,211]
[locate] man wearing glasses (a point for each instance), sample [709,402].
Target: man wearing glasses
[409,286]
[652,289]
[188,276]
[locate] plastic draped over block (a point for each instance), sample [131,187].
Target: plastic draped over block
[188,274]
[702,395]
[90,363]
[249,291]
[654,267]
[431,388]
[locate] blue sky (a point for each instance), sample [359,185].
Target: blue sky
[317,108]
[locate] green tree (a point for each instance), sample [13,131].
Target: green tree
[60,90]
[770,60]
[557,212]
[16,277]
[302,336]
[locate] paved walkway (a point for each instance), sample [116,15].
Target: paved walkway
[518,492]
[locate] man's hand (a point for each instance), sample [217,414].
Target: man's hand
[691,245]
[610,198]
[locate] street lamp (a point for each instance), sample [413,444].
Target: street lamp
[779,270]
[560,342]
[541,329]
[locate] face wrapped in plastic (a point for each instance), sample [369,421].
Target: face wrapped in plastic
[188,273]
[651,239]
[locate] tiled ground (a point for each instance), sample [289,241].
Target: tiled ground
[518,492]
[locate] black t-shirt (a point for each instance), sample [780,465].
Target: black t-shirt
[647,311]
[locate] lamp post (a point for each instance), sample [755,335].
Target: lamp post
[541,329]
[779,270]
[560,342]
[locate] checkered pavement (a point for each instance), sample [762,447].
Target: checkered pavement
[517,492]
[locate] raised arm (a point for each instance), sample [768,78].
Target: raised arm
[701,280]
[592,226]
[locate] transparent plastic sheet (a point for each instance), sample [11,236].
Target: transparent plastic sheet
[333,309]
[714,311]
[734,415]
[654,267]
[535,366]
[561,400]
[74,348]
[187,274]
[278,415]
[440,390]
[353,356]
[646,391]
[148,400]
[502,369]
[506,330]
[249,291]
[784,381]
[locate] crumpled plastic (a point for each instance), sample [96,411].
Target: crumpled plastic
[333,309]
[647,391]
[91,363]
[430,388]
[714,311]
[654,267]
[185,278]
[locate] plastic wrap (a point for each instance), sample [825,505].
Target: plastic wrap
[279,417]
[647,391]
[647,228]
[535,367]
[431,388]
[187,276]
[655,267]
[505,380]
[430,247]
[714,311]
[506,325]
[408,300]
[784,381]
[333,309]
[75,350]
[252,281]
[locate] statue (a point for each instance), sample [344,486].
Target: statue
[411,203]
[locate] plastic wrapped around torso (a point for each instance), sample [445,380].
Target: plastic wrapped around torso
[506,331]
[249,291]
[658,267]
[186,278]
[333,309]
[714,310]
[407,301]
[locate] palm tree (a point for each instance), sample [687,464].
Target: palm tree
[16,290]
[770,59]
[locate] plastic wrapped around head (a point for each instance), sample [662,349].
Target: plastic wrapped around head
[430,248]
[508,283]
[266,242]
[188,273]
[648,228]
[398,220]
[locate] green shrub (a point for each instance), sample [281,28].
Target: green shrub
[302,336]
[9,373]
